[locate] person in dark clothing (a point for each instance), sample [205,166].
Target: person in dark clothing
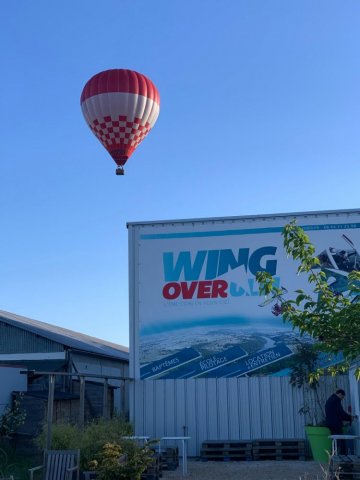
[336,415]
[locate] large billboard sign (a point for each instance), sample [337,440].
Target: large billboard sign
[194,302]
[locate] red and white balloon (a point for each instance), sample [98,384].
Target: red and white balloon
[120,106]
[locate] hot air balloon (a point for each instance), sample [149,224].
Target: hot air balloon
[120,106]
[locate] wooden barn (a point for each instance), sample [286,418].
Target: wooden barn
[87,372]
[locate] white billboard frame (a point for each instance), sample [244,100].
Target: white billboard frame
[155,229]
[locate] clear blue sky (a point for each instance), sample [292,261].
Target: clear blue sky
[259,114]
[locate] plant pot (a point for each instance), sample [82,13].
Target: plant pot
[320,443]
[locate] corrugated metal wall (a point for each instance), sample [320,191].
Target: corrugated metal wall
[18,340]
[220,409]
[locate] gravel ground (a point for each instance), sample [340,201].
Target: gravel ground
[263,470]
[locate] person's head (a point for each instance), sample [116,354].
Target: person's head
[340,393]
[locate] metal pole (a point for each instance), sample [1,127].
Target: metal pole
[122,397]
[50,410]
[105,399]
[82,403]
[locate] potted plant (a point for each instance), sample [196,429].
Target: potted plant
[313,408]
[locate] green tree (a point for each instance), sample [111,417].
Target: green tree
[331,317]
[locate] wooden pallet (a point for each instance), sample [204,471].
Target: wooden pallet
[227,450]
[235,450]
[170,458]
[224,456]
[287,443]
[154,470]
[287,449]
[240,444]
[345,467]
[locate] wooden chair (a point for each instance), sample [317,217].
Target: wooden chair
[59,465]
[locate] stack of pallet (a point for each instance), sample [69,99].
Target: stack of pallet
[345,467]
[227,450]
[154,470]
[170,458]
[232,450]
[290,449]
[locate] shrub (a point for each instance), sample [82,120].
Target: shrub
[101,431]
[13,463]
[64,437]
[4,463]
[90,440]
[134,461]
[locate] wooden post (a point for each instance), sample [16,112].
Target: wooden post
[50,410]
[82,403]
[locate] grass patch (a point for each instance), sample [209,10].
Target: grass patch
[15,464]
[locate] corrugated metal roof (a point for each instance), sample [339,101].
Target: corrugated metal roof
[68,338]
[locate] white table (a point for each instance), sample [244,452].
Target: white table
[335,438]
[183,441]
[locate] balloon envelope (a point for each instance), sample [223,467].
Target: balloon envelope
[120,106]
